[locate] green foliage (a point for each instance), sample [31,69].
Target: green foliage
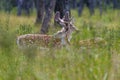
[68,63]
[6,39]
[24,29]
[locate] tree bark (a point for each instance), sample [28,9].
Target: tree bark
[40,8]
[48,15]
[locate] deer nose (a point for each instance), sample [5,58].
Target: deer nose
[77,30]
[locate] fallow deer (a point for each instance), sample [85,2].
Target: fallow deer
[59,39]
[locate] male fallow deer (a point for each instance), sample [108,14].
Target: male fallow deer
[59,39]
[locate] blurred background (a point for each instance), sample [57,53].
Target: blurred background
[44,8]
[84,59]
[29,5]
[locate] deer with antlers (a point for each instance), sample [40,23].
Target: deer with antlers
[58,39]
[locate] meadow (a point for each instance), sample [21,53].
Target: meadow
[101,62]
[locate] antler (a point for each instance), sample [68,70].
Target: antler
[57,16]
[58,20]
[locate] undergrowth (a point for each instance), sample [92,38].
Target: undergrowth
[72,63]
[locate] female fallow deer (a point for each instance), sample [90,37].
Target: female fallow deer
[59,39]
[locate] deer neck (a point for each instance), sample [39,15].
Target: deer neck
[69,33]
[64,41]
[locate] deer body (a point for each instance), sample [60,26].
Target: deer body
[41,40]
[28,40]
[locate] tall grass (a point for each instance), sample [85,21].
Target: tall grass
[73,63]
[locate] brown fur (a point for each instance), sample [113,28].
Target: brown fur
[38,40]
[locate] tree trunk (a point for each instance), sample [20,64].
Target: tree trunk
[50,5]
[40,8]
[62,6]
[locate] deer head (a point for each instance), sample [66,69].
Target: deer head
[67,24]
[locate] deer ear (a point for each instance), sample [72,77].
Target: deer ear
[57,16]
[72,20]
[74,28]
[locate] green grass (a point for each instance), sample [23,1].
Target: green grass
[72,63]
